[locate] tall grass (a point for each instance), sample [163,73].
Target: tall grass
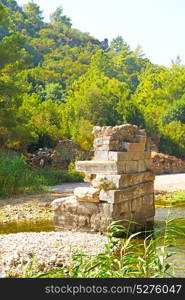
[131,257]
[16,176]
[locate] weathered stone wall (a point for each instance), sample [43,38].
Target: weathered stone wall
[121,184]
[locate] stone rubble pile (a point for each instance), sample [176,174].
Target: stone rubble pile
[65,152]
[166,164]
[40,159]
[122,184]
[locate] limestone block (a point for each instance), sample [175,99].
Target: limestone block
[116,196]
[100,222]
[100,167]
[87,208]
[148,188]
[108,182]
[132,166]
[73,222]
[95,167]
[118,145]
[56,204]
[113,210]
[102,148]
[147,154]
[134,147]
[141,165]
[113,145]
[105,140]
[121,166]
[118,156]
[101,155]
[88,194]
[148,199]
[71,205]
[122,156]
[137,204]
[143,215]
[141,138]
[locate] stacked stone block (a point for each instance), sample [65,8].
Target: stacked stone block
[122,184]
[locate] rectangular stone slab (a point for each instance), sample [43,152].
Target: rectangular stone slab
[112,167]
[87,194]
[121,181]
[116,196]
[136,166]
[134,147]
[102,155]
[118,156]
[100,167]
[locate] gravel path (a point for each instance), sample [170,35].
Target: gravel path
[170,182]
[44,251]
[68,187]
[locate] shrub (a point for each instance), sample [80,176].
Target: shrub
[56,176]
[175,112]
[16,176]
[172,139]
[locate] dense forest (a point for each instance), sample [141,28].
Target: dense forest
[57,82]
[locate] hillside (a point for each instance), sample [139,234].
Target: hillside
[58,82]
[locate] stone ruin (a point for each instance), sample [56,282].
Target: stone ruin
[122,184]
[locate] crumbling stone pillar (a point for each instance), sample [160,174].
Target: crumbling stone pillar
[122,184]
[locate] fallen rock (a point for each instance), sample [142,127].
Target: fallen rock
[166,164]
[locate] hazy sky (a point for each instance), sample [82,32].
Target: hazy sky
[157,25]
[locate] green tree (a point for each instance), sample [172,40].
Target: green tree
[132,114]
[52,91]
[176,112]
[95,98]
[58,17]
[118,44]
[34,18]
[172,139]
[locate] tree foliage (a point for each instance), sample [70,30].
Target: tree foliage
[175,112]
[58,82]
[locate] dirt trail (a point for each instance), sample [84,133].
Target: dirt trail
[170,182]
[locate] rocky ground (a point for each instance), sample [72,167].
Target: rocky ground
[27,207]
[25,254]
[21,254]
